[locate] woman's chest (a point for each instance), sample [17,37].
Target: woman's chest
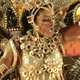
[35,54]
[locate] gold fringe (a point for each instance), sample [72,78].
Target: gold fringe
[53,76]
[58,76]
[43,76]
[27,78]
[61,75]
[31,78]
[34,78]
[37,77]
[50,76]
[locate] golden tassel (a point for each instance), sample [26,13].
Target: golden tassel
[34,78]
[53,76]
[31,78]
[58,76]
[43,76]
[37,77]
[27,78]
[50,76]
[61,75]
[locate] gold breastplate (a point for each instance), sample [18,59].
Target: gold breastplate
[39,55]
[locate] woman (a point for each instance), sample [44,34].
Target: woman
[40,51]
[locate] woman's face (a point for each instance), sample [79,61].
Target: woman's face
[45,21]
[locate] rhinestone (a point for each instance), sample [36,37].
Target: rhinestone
[50,70]
[24,74]
[38,72]
[40,55]
[55,70]
[22,46]
[43,67]
[35,39]
[31,53]
[31,74]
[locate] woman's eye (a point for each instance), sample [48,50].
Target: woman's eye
[45,20]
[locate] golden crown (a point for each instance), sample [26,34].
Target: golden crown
[35,5]
[31,4]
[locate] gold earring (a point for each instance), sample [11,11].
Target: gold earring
[36,28]
[36,31]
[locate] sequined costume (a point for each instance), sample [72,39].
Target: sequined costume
[34,58]
[41,58]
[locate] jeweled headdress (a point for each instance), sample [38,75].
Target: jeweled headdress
[73,13]
[76,14]
[33,6]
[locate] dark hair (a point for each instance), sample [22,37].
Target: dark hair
[38,13]
[4,34]
[25,25]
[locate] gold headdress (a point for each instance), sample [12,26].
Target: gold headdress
[73,13]
[76,14]
[35,5]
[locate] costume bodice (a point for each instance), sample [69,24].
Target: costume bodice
[40,57]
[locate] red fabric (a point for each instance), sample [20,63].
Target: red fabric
[72,48]
[71,37]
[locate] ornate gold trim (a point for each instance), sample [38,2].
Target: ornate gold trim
[16,14]
[4,21]
[76,13]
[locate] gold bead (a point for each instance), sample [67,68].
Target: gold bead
[40,55]
[35,39]
[31,74]
[61,12]
[38,72]
[37,27]
[31,53]
[55,70]
[43,67]
[22,46]
[24,74]
[50,70]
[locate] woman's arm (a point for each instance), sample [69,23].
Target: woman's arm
[9,58]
